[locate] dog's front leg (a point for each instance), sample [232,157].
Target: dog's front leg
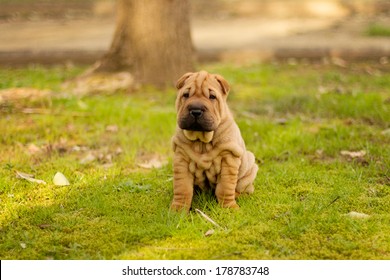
[226,186]
[183,184]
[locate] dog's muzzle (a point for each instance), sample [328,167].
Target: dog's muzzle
[195,119]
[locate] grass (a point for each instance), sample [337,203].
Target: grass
[296,119]
[378,30]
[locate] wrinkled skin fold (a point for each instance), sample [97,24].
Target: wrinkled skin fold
[209,151]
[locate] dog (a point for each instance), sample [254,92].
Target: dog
[209,151]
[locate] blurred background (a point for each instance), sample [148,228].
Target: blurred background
[238,31]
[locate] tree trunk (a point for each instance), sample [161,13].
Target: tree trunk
[152,41]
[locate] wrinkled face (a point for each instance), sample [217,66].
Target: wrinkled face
[201,101]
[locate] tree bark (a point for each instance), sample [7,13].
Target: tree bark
[152,41]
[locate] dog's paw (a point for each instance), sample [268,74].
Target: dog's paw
[175,207]
[232,205]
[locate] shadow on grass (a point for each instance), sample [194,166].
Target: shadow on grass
[95,220]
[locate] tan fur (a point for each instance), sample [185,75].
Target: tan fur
[203,136]
[216,159]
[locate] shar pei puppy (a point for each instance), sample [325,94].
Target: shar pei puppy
[209,151]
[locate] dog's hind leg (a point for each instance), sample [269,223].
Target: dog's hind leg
[247,174]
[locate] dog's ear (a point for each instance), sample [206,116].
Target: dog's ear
[181,81]
[223,83]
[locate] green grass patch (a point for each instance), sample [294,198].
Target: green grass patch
[378,30]
[296,120]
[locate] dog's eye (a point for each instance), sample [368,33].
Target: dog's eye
[212,96]
[186,95]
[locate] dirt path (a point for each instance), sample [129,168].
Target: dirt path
[231,39]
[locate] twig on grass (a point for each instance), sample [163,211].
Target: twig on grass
[332,202]
[29,177]
[208,218]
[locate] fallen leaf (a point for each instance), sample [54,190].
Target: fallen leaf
[77,148]
[33,149]
[384,60]
[357,215]
[38,111]
[112,128]
[23,245]
[88,158]
[151,161]
[43,226]
[386,132]
[107,158]
[209,232]
[60,180]
[100,83]
[118,151]
[29,177]
[15,94]
[358,154]
[339,62]
[332,89]
[107,165]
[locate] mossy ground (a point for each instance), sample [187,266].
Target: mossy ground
[295,118]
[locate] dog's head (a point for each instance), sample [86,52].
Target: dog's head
[201,101]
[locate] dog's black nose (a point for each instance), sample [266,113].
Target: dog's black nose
[196,113]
